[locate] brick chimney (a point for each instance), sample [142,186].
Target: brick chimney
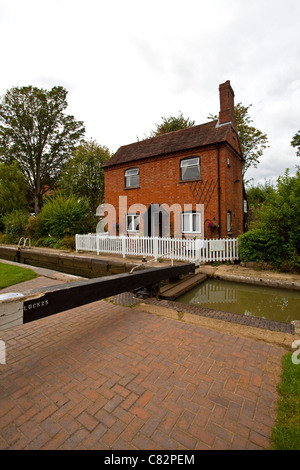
[226,113]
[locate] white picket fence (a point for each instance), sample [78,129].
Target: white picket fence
[225,249]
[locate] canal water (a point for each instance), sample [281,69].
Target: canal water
[246,299]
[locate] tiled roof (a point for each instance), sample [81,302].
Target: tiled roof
[186,139]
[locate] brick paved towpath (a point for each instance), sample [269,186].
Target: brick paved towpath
[106,376]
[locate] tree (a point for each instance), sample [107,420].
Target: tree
[13,189]
[171,124]
[62,215]
[36,132]
[253,141]
[275,237]
[257,195]
[83,174]
[296,143]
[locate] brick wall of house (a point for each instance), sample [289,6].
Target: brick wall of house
[160,184]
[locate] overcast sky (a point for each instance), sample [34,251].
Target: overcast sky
[125,64]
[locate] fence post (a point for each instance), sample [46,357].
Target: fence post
[198,249]
[123,246]
[97,244]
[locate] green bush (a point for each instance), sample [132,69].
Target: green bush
[252,245]
[34,229]
[61,216]
[48,242]
[260,246]
[3,237]
[275,238]
[69,242]
[15,225]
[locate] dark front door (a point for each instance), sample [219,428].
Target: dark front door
[156,221]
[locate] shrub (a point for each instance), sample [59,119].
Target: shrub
[259,246]
[275,237]
[3,237]
[15,225]
[69,242]
[251,245]
[34,227]
[61,216]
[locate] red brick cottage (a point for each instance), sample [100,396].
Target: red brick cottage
[184,183]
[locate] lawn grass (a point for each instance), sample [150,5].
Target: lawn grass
[10,275]
[286,432]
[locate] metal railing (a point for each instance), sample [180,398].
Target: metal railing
[24,242]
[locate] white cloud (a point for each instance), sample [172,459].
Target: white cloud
[127,64]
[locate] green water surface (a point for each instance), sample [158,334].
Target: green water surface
[246,299]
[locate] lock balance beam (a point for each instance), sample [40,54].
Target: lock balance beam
[55,299]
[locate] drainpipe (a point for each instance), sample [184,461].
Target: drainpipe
[219,190]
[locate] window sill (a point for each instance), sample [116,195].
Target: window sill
[132,187]
[191,180]
[191,234]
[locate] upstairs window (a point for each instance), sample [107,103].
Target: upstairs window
[132,178]
[190,169]
[191,222]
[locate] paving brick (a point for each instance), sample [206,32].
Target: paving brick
[38,442]
[132,428]
[113,433]
[202,435]
[87,421]
[50,427]
[185,420]
[219,431]
[105,376]
[45,413]
[168,422]
[259,440]
[151,425]
[220,444]
[164,441]
[94,436]
[142,442]
[26,416]
[188,441]
[11,433]
[106,418]
[74,440]
[113,403]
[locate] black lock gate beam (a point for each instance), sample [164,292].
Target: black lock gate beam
[55,299]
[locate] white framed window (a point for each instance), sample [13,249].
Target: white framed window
[132,223]
[191,222]
[190,169]
[132,178]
